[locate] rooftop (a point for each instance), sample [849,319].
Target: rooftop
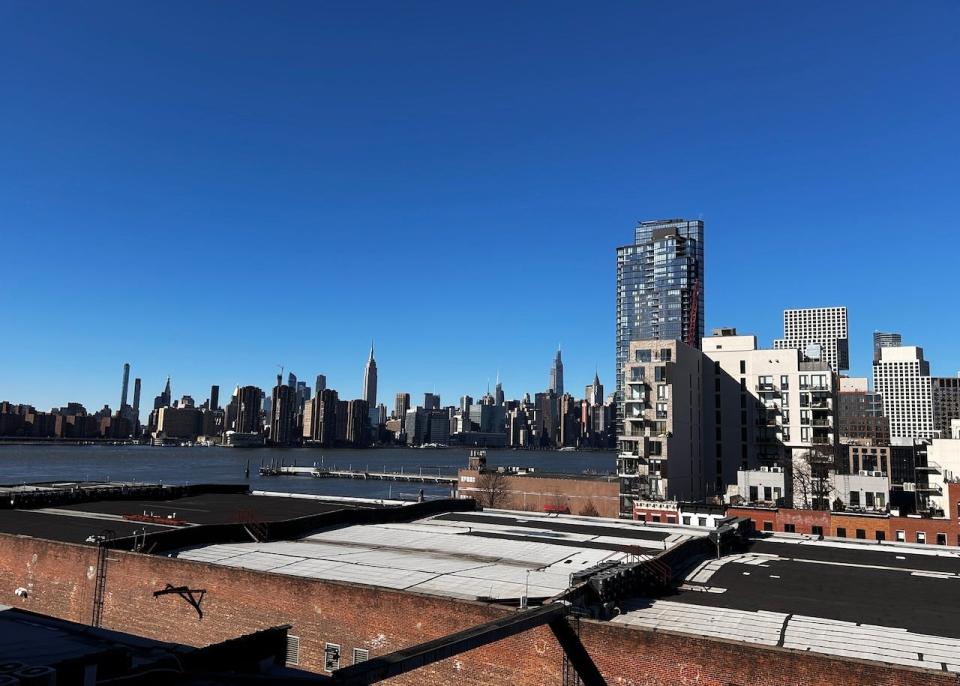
[452,554]
[76,522]
[889,603]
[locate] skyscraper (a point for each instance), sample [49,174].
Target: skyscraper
[819,333]
[431,401]
[660,289]
[556,375]
[214,397]
[321,384]
[885,340]
[370,380]
[163,400]
[126,380]
[284,407]
[902,378]
[498,392]
[594,392]
[401,405]
[136,398]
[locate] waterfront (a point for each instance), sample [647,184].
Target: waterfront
[36,463]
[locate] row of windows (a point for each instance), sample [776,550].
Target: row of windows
[841,532]
[331,654]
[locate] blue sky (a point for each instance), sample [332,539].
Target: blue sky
[209,190]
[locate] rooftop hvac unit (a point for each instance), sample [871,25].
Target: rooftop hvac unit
[876,473]
[764,468]
[777,470]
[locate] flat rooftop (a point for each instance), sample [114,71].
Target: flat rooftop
[887,603]
[496,555]
[78,522]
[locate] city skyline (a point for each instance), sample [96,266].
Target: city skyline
[288,158]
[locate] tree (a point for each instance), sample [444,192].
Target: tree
[492,488]
[812,486]
[589,510]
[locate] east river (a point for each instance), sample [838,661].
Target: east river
[194,465]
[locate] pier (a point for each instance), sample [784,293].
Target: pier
[417,476]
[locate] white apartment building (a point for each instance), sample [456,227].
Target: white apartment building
[943,466]
[768,405]
[694,418]
[820,332]
[902,378]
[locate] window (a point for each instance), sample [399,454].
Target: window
[785,399]
[686,520]
[743,366]
[663,392]
[790,528]
[660,373]
[656,519]
[921,537]
[754,494]
[861,533]
[768,526]
[941,539]
[901,536]
[841,532]
[817,530]
[784,383]
[671,519]
[855,498]
[665,354]
[331,657]
[642,355]
[702,521]
[869,497]
[880,535]
[360,655]
[293,650]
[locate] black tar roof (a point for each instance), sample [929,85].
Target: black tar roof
[217,508]
[846,584]
[65,528]
[557,525]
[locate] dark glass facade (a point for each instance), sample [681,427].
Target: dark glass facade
[659,278]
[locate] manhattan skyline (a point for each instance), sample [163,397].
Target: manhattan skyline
[467,154]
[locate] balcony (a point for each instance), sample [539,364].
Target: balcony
[930,489]
[821,422]
[824,404]
[768,388]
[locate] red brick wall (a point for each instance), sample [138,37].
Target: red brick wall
[237,601]
[534,493]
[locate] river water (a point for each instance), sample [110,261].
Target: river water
[35,463]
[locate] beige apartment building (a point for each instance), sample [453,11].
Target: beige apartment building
[694,418]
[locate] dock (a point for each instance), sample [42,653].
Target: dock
[416,477]
[321,472]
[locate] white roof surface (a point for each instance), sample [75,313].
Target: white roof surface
[434,556]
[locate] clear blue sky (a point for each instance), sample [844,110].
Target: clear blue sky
[212,189]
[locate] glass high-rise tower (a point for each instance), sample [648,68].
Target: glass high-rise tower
[659,289]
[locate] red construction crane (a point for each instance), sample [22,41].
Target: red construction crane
[694,320]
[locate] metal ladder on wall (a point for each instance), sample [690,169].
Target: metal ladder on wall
[99,586]
[568,673]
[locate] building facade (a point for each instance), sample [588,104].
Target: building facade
[817,332]
[660,294]
[902,378]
